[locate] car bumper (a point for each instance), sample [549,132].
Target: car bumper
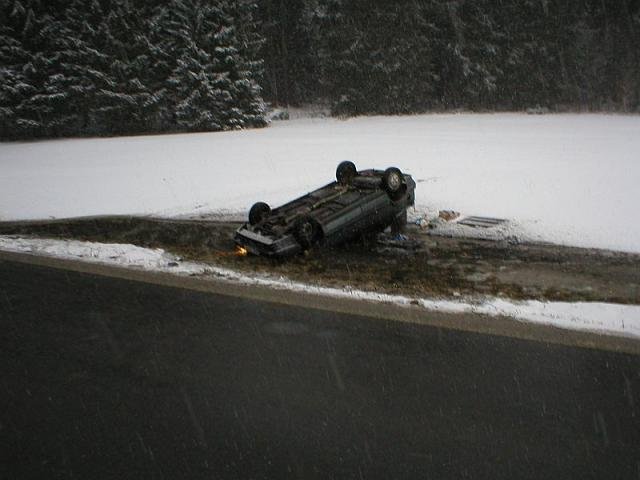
[259,244]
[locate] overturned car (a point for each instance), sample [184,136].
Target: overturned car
[358,202]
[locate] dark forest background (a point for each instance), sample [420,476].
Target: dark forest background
[108,67]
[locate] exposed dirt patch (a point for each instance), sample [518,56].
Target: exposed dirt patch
[422,266]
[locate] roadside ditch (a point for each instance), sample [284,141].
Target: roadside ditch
[424,265]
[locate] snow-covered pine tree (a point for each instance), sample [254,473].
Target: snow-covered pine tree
[28,58]
[52,71]
[14,81]
[532,36]
[249,69]
[289,49]
[469,62]
[78,75]
[212,86]
[132,102]
[378,56]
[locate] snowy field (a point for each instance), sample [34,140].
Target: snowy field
[603,318]
[569,179]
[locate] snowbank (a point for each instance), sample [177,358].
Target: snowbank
[569,179]
[108,253]
[618,320]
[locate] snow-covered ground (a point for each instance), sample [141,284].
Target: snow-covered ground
[617,320]
[570,179]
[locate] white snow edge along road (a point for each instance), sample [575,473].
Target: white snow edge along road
[604,318]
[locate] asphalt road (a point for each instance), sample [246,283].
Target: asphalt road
[109,378]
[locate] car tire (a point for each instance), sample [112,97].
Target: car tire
[306,231]
[393,183]
[346,172]
[392,179]
[259,212]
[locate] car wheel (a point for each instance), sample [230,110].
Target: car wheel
[393,183]
[306,231]
[392,180]
[259,212]
[346,172]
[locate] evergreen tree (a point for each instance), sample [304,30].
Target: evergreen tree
[54,73]
[468,54]
[74,67]
[250,65]
[289,50]
[124,66]
[27,103]
[75,78]
[615,37]
[212,86]
[137,66]
[15,87]
[368,66]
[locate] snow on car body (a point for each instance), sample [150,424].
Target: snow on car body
[356,203]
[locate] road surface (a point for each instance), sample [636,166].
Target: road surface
[109,378]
